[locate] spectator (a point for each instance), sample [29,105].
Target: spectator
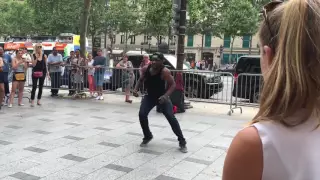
[39,72]
[282,142]
[5,69]
[90,74]
[54,62]
[69,70]
[1,82]
[99,64]
[19,66]
[127,76]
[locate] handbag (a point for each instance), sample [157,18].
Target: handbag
[19,76]
[37,74]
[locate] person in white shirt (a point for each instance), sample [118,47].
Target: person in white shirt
[283,140]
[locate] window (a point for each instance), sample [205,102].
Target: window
[207,40]
[122,39]
[190,41]
[173,40]
[246,41]
[132,39]
[113,39]
[160,38]
[226,42]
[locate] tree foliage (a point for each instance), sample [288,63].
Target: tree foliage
[204,17]
[157,16]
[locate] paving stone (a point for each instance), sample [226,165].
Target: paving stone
[199,161]
[5,142]
[129,122]
[162,177]
[73,124]
[73,138]
[46,120]
[73,158]
[13,127]
[34,149]
[98,117]
[118,168]
[103,129]
[109,144]
[146,151]
[41,132]
[24,176]
[158,126]
[72,114]
[217,147]
[170,139]
[190,130]
[135,134]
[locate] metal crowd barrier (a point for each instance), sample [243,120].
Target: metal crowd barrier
[199,85]
[246,91]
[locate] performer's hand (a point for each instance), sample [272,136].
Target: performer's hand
[135,93]
[163,99]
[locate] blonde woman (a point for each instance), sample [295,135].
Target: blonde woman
[39,72]
[19,66]
[283,141]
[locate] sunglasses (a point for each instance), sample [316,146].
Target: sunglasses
[39,47]
[268,8]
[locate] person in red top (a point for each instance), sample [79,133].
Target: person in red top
[145,62]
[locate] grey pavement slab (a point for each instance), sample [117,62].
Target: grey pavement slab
[91,140]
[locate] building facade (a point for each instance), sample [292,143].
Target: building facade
[197,47]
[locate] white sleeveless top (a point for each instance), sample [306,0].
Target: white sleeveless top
[290,153]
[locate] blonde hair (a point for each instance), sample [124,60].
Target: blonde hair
[292,82]
[35,49]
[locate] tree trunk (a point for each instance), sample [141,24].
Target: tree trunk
[105,39]
[202,42]
[250,45]
[83,26]
[126,46]
[231,50]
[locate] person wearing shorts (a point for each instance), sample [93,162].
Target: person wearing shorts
[19,66]
[99,64]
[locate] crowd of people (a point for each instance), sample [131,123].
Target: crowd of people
[81,70]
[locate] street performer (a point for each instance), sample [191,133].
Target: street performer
[156,76]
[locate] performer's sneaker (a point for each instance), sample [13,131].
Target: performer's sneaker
[145,141]
[183,148]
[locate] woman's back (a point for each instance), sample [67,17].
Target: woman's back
[290,153]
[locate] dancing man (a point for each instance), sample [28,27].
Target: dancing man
[156,76]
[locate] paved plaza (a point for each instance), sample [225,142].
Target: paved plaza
[69,139]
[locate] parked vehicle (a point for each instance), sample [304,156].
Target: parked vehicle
[228,69]
[248,86]
[198,84]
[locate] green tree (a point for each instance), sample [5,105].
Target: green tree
[204,16]
[97,18]
[18,18]
[239,18]
[157,18]
[124,17]
[53,17]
